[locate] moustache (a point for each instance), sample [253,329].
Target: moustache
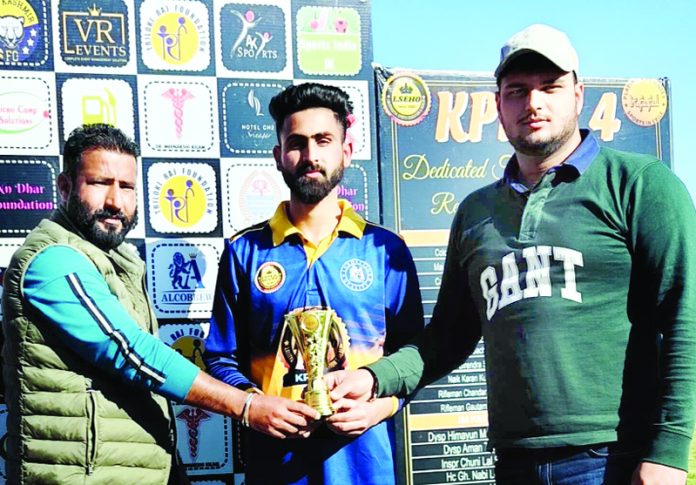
[532,119]
[309,167]
[110,214]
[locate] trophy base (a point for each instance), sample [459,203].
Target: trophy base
[320,401]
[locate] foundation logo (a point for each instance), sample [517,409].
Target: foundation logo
[95,35]
[175,35]
[328,41]
[406,99]
[23,38]
[182,197]
[253,38]
[178,117]
[27,194]
[182,279]
[187,339]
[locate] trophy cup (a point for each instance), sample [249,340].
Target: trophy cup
[321,337]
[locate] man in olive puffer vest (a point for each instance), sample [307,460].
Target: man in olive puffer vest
[86,379]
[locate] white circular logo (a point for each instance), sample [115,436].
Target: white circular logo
[356,274]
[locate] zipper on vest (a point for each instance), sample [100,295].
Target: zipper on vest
[92,431]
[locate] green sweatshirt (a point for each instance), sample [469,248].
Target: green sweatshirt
[584,291]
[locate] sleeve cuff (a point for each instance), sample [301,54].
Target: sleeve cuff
[670,449]
[180,379]
[399,373]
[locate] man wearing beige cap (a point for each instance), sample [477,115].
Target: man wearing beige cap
[578,269]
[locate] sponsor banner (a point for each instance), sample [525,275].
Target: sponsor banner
[328,40]
[25,35]
[440,139]
[27,113]
[205,440]
[179,116]
[247,129]
[94,36]
[181,276]
[256,39]
[175,36]
[90,99]
[28,193]
[183,197]
[254,188]
[188,339]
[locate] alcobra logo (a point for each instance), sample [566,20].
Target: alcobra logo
[182,277]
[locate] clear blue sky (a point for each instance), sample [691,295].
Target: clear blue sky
[614,38]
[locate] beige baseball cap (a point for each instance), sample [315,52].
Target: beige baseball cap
[541,39]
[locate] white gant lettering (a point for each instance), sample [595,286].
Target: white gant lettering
[537,279]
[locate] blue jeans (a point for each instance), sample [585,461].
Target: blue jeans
[603,464]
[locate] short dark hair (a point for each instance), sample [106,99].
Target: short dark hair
[94,137]
[300,97]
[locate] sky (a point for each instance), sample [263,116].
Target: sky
[613,38]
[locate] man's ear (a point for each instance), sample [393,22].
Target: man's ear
[347,153]
[276,155]
[64,186]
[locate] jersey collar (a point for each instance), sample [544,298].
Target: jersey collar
[350,222]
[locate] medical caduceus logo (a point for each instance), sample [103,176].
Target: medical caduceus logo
[193,418]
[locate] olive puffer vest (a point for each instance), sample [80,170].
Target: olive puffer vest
[69,422]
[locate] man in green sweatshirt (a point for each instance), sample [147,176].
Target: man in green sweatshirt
[578,269]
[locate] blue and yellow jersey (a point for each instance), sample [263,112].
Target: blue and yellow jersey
[362,271]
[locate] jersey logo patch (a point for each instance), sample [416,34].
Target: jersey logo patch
[356,274]
[269,277]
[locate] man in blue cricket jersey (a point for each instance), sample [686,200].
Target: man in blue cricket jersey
[315,251]
[87,381]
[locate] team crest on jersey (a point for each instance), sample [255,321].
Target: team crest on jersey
[269,277]
[356,274]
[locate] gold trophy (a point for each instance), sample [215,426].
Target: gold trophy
[321,339]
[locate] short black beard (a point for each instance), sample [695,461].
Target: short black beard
[543,149]
[309,190]
[86,222]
